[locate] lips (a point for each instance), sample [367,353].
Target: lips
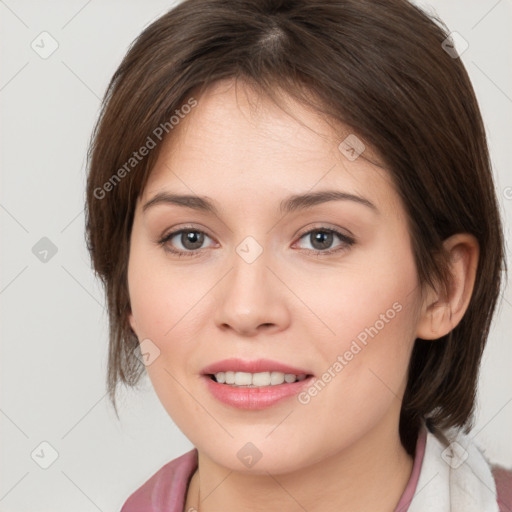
[255,366]
[254,397]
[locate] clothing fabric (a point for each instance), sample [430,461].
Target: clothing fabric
[410,488]
[456,478]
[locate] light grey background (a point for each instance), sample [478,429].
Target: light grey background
[54,325]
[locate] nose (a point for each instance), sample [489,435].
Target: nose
[251,299]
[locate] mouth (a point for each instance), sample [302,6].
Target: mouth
[254,384]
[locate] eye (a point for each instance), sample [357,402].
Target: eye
[190,240]
[321,239]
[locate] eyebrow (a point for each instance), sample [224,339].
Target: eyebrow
[288,205]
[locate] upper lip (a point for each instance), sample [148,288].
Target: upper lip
[254,366]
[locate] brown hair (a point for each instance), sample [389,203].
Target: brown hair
[377,66]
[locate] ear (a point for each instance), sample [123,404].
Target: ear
[443,310]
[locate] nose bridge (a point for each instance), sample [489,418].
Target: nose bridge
[250,295]
[246,285]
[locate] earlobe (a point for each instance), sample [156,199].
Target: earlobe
[442,311]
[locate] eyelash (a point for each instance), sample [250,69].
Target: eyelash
[346,241]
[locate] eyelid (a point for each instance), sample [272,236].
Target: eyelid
[186,227]
[327,227]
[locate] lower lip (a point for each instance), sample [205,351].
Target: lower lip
[254,398]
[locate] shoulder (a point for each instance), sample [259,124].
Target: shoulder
[166,489]
[454,446]
[503,478]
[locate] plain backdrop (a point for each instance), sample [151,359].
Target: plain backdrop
[54,323]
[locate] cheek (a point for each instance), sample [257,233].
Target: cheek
[371,309]
[161,305]
[376,296]
[165,305]
[365,367]
[162,297]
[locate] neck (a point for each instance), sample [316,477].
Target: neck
[370,475]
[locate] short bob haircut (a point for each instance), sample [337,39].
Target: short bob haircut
[377,66]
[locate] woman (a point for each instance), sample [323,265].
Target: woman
[291,206]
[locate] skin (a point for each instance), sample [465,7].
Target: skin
[293,304]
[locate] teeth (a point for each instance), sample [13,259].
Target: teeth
[257,379]
[243,379]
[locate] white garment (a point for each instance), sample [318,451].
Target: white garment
[456,478]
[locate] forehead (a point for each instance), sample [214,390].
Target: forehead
[236,140]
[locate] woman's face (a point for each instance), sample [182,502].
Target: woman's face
[260,279]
